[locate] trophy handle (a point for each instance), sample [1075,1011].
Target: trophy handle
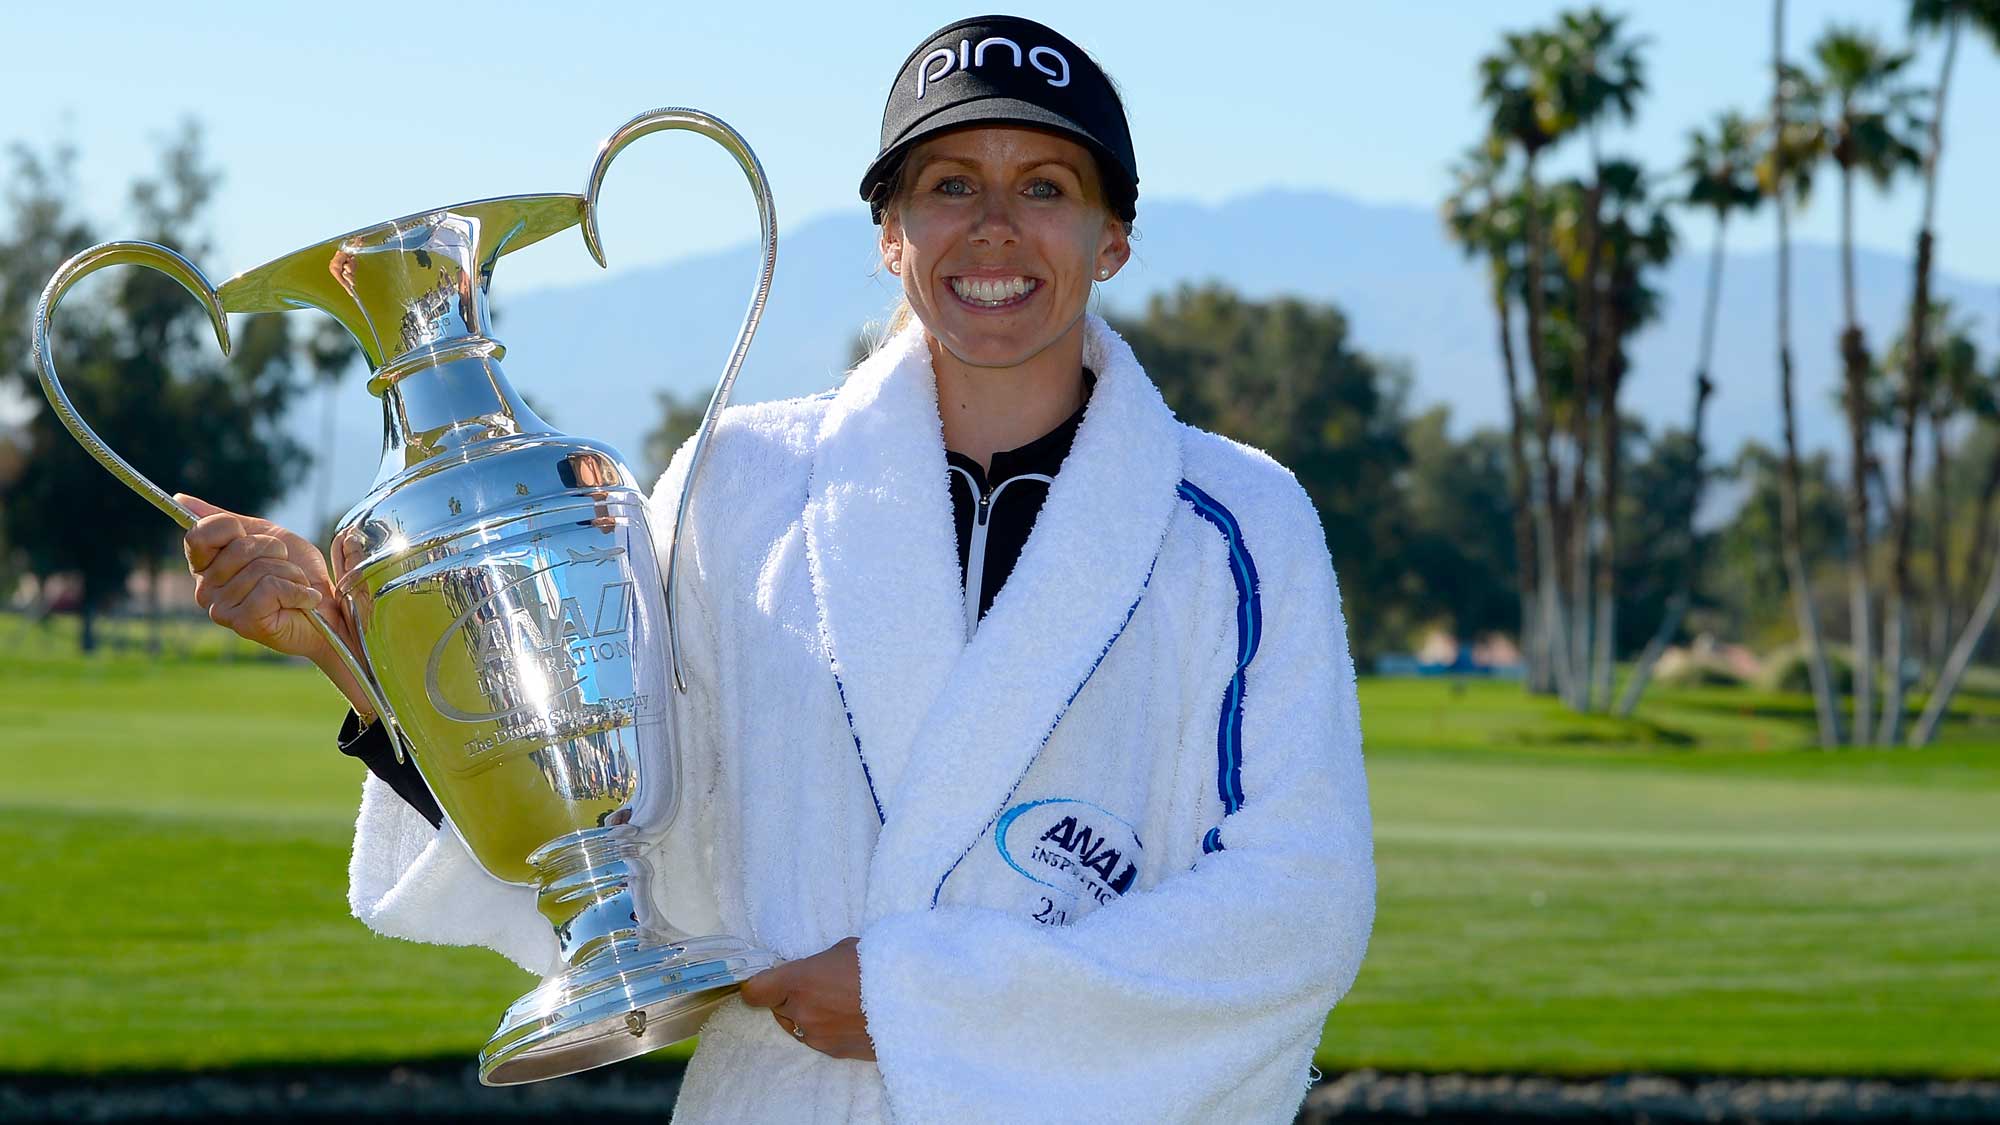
[171,263]
[693,120]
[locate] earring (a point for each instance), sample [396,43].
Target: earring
[1104,273]
[896,268]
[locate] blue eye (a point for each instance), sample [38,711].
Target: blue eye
[950,185]
[1045,189]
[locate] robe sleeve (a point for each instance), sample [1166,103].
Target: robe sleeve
[373,748]
[1200,998]
[408,878]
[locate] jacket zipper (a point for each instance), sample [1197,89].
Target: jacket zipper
[975,553]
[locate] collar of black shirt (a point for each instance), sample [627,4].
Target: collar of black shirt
[1043,455]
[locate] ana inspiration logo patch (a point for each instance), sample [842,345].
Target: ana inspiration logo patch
[1075,848]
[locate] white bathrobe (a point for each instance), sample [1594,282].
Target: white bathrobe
[1109,859]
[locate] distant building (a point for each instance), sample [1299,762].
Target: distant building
[1442,654]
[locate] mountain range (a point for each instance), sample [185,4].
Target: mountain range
[594,355]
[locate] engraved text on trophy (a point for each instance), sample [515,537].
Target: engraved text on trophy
[547,650]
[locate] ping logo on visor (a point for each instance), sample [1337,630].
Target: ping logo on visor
[943,61]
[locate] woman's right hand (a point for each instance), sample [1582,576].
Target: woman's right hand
[263,582]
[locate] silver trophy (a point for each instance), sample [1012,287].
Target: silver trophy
[507,594]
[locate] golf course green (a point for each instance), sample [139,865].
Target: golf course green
[1696,890]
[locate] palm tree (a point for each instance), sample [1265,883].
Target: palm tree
[329,352]
[1787,171]
[1947,402]
[1721,167]
[1485,220]
[1634,238]
[1935,371]
[1955,387]
[1516,85]
[1948,16]
[1982,401]
[1597,74]
[1957,360]
[1869,127]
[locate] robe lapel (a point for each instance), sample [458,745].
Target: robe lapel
[1079,578]
[881,549]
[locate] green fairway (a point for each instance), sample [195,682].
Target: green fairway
[1614,903]
[1693,891]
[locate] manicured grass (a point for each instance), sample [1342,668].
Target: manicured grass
[175,893]
[1609,903]
[1694,890]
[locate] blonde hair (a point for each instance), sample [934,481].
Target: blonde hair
[901,315]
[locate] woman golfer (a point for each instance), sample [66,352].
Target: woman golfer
[1020,721]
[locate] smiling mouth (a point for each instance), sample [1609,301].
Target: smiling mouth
[994,292]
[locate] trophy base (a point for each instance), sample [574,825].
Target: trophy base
[628,999]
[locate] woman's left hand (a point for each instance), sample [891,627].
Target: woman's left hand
[817,1000]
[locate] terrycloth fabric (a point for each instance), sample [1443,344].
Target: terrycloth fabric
[1110,860]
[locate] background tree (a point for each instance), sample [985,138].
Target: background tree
[1653,510]
[1597,74]
[1284,376]
[1517,87]
[1794,142]
[138,363]
[328,353]
[1973,471]
[1741,575]
[1485,219]
[1635,239]
[1915,393]
[1954,373]
[1721,171]
[1462,539]
[58,521]
[1955,387]
[1948,17]
[13,456]
[1870,123]
[680,417]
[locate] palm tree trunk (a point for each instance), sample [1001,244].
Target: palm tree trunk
[1961,658]
[1534,646]
[1895,630]
[1656,646]
[1982,529]
[328,445]
[1974,633]
[1555,573]
[1914,360]
[1854,358]
[86,610]
[153,616]
[1584,414]
[1941,604]
[1605,622]
[1683,595]
[1581,529]
[1794,550]
[1550,593]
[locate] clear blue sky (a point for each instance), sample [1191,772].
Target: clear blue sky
[326,116]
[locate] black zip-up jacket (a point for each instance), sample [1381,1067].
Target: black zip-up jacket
[997,530]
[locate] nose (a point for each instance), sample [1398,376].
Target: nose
[994,225]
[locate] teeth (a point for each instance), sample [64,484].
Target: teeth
[992,290]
